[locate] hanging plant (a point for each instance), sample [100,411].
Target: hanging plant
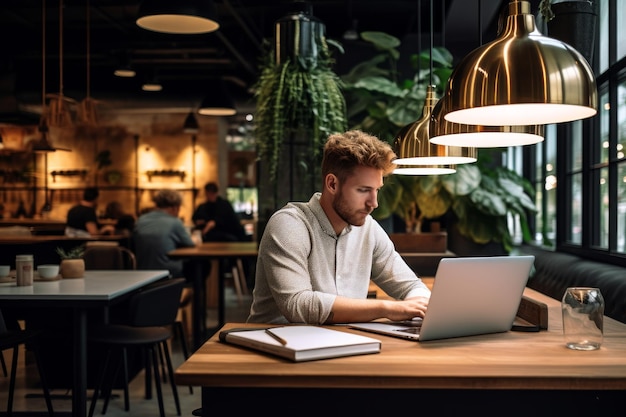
[297,97]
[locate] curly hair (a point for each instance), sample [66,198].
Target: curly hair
[167,198]
[345,151]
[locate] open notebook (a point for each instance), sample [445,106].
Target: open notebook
[470,296]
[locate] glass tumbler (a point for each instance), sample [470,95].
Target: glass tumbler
[583,314]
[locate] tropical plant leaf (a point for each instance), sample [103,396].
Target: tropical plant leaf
[466,179]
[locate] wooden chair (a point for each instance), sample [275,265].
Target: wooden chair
[12,339]
[152,314]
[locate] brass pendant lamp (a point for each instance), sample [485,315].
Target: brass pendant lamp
[178,17]
[521,78]
[59,112]
[416,154]
[444,132]
[87,110]
[42,145]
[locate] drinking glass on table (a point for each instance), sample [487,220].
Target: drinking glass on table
[583,315]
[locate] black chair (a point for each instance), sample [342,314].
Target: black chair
[152,314]
[12,339]
[106,256]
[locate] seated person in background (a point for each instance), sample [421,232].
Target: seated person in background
[316,259]
[216,218]
[82,220]
[160,231]
[125,222]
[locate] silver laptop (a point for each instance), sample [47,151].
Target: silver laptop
[470,296]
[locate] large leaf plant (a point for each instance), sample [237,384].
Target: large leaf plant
[482,197]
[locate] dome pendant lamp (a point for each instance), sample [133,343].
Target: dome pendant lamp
[521,78]
[444,132]
[417,155]
[185,17]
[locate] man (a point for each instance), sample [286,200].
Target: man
[159,232]
[82,220]
[216,218]
[316,259]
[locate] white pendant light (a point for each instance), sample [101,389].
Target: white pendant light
[417,155]
[521,78]
[444,132]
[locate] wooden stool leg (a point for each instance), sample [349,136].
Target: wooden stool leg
[237,282]
[242,277]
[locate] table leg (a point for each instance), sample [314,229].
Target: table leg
[79,393]
[220,302]
[199,306]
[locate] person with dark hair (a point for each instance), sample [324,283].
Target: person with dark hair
[316,258]
[125,222]
[216,218]
[82,220]
[159,232]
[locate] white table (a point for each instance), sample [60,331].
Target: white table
[97,290]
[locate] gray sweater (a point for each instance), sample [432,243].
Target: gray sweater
[303,265]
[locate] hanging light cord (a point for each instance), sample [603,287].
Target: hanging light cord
[61,48]
[88,50]
[43,58]
[431,43]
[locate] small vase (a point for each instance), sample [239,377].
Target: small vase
[72,268]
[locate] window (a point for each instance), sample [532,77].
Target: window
[586,213]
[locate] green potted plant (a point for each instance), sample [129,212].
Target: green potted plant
[72,263]
[299,103]
[573,22]
[478,198]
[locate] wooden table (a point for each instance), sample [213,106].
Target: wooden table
[97,290]
[212,251]
[515,370]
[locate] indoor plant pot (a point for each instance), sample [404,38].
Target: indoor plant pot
[72,268]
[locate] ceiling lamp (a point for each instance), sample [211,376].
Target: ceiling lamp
[87,110]
[181,16]
[125,69]
[444,132]
[521,78]
[217,102]
[191,124]
[59,112]
[152,84]
[417,155]
[42,145]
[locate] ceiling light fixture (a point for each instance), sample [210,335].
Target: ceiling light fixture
[521,78]
[60,114]
[416,154]
[152,84]
[191,124]
[217,102]
[87,110]
[125,69]
[42,145]
[444,132]
[180,16]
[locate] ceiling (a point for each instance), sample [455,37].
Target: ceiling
[94,42]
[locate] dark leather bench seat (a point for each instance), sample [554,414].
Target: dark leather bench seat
[554,272]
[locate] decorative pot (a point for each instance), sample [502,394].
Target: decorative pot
[72,268]
[575,24]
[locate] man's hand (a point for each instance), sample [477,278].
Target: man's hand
[407,309]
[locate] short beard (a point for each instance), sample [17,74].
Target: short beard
[341,210]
